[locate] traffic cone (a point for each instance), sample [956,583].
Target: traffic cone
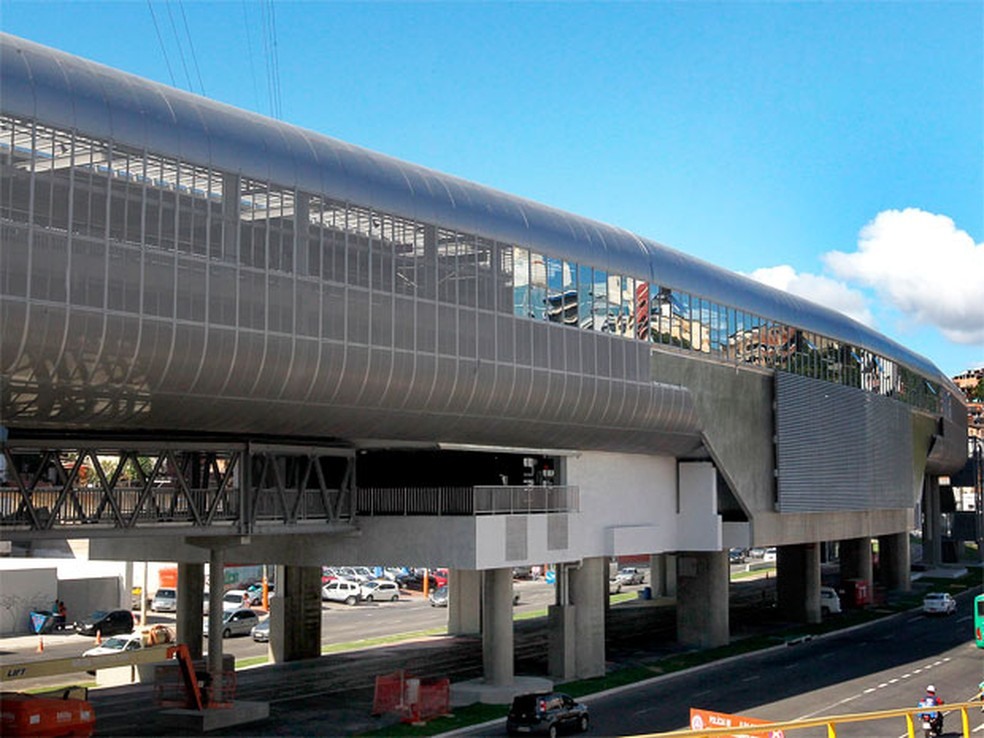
[40,648]
[99,637]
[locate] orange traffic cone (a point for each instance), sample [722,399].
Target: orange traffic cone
[99,637]
[40,648]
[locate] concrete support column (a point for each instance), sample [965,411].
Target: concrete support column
[588,592]
[893,561]
[464,602]
[663,575]
[702,598]
[497,627]
[216,579]
[295,625]
[855,560]
[561,657]
[798,581]
[932,554]
[188,620]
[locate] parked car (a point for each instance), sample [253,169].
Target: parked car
[150,635]
[342,590]
[106,623]
[631,575]
[939,603]
[255,592]
[770,554]
[614,585]
[380,589]
[235,598]
[117,644]
[165,600]
[439,597]
[736,556]
[830,603]
[261,631]
[547,713]
[235,622]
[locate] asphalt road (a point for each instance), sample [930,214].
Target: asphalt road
[881,666]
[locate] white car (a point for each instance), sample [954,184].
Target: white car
[117,644]
[830,603]
[234,599]
[342,590]
[939,603]
[380,589]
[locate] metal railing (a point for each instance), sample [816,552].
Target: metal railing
[830,722]
[467,501]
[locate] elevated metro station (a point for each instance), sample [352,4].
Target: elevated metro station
[297,352]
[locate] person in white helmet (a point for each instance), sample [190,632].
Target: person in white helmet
[933,717]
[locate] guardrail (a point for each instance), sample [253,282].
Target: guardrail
[829,722]
[467,501]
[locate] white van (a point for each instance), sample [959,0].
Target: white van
[165,600]
[340,590]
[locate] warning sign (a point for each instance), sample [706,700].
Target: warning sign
[701,719]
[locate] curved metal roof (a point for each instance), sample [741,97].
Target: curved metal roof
[67,91]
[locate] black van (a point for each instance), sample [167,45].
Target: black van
[546,713]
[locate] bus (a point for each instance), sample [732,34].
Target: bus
[979,620]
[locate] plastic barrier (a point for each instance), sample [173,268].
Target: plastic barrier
[30,715]
[415,700]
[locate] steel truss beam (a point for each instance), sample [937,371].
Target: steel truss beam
[90,488]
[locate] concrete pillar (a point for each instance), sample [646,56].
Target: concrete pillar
[893,561]
[855,563]
[588,592]
[561,657]
[702,598]
[497,627]
[932,554]
[798,581]
[295,625]
[188,620]
[662,575]
[464,602]
[216,578]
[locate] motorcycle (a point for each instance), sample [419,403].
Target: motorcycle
[932,724]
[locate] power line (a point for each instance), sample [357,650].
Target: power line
[191,46]
[160,40]
[177,40]
[249,53]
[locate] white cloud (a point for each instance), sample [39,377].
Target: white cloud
[924,266]
[821,290]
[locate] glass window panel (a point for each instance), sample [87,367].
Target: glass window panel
[600,301]
[538,286]
[584,299]
[521,280]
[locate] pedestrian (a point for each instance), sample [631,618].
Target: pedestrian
[246,599]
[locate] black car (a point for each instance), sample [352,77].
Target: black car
[105,623]
[547,713]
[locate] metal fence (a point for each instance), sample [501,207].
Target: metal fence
[492,500]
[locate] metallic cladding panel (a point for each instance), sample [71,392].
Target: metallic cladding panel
[840,448]
[558,532]
[207,132]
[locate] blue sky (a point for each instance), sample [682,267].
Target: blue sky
[834,149]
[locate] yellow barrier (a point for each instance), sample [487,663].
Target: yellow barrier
[830,722]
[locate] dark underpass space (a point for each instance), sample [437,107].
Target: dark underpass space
[433,468]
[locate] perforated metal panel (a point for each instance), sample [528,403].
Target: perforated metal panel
[516,538]
[557,532]
[840,448]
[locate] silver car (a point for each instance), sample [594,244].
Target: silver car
[235,622]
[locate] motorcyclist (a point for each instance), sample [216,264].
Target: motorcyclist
[935,717]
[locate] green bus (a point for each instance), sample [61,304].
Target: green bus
[979,620]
